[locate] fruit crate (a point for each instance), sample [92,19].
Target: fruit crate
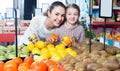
[109,42]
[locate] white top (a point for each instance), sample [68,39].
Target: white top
[37,26]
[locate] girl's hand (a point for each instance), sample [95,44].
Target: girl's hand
[66,43]
[66,40]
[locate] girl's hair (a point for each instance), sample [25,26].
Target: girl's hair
[51,7]
[73,5]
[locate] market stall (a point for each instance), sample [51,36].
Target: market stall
[88,55]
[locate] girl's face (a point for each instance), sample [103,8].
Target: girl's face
[72,16]
[57,15]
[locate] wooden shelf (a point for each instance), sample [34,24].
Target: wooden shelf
[113,25]
[107,23]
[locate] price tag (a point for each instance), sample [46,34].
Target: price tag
[117,44]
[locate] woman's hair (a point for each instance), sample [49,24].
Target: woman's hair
[51,7]
[73,5]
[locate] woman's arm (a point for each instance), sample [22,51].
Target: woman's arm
[30,30]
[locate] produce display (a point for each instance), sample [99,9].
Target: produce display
[96,60]
[9,52]
[28,64]
[49,51]
[40,56]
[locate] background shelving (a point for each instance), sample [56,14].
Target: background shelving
[112,25]
[116,12]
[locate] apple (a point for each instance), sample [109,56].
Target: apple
[32,36]
[117,55]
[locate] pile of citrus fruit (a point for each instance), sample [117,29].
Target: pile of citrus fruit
[28,64]
[49,51]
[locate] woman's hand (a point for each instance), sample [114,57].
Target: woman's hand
[52,39]
[33,38]
[49,40]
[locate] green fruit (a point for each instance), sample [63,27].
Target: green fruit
[2,58]
[23,55]
[3,48]
[11,55]
[33,36]
[117,55]
[21,46]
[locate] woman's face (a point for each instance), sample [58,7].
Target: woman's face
[72,16]
[57,15]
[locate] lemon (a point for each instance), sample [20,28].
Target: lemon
[66,38]
[44,50]
[62,52]
[30,46]
[52,49]
[73,53]
[40,44]
[36,51]
[46,55]
[60,47]
[56,57]
[50,46]
[68,50]
[54,53]
[39,58]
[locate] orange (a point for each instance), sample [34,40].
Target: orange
[38,66]
[51,63]
[1,65]
[118,38]
[28,60]
[67,40]
[23,67]
[18,60]
[54,36]
[54,68]
[10,66]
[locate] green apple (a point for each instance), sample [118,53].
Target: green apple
[33,36]
[117,55]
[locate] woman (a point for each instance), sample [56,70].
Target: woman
[44,25]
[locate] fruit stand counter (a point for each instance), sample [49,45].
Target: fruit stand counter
[7,30]
[8,37]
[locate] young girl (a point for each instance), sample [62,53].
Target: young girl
[44,25]
[71,27]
